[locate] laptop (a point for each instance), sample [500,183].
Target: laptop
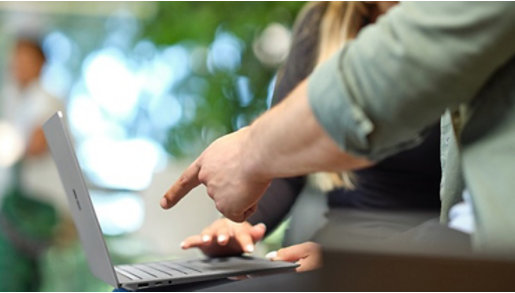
[134,276]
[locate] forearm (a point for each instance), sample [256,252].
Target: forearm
[298,146]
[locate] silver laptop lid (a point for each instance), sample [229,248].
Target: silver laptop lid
[81,207]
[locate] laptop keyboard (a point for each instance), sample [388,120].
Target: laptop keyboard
[193,268]
[165,269]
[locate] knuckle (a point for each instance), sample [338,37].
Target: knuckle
[221,208]
[211,193]
[203,176]
[183,181]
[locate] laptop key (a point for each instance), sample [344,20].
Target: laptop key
[126,274]
[132,269]
[151,270]
[189,267]
[175,268]
[168,269]
[162,269]
[179,267]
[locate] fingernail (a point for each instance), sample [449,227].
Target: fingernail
[271,255]
[249,248]
[221,238]
[206,238]
[262,224]
[164,203]
[183,244]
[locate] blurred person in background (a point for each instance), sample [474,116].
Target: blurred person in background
[392,184]
[25,103]
[27,222]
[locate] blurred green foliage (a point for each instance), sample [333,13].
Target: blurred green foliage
[198,21]
[216,95]
[219,109]
[65,268]
[26,229]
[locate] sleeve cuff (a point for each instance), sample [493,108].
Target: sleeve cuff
[344,121]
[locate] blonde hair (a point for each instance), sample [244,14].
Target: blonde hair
[340,23]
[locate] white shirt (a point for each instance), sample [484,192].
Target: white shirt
[25,110]
[28,108]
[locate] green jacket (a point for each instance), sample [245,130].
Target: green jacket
[378,95]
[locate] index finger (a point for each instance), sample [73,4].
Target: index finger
[181,187]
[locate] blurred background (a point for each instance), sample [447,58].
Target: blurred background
[144,86]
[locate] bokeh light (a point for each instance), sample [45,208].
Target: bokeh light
[12,145]
[120,164]
[118,212]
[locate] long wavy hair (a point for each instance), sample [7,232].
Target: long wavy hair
[321,29]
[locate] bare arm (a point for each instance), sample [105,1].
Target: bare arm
[238,167]
[299,145]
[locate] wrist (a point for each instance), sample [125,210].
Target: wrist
[254,160]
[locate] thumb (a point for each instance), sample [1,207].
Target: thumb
[291,254]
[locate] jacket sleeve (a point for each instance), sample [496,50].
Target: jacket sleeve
[378,94]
